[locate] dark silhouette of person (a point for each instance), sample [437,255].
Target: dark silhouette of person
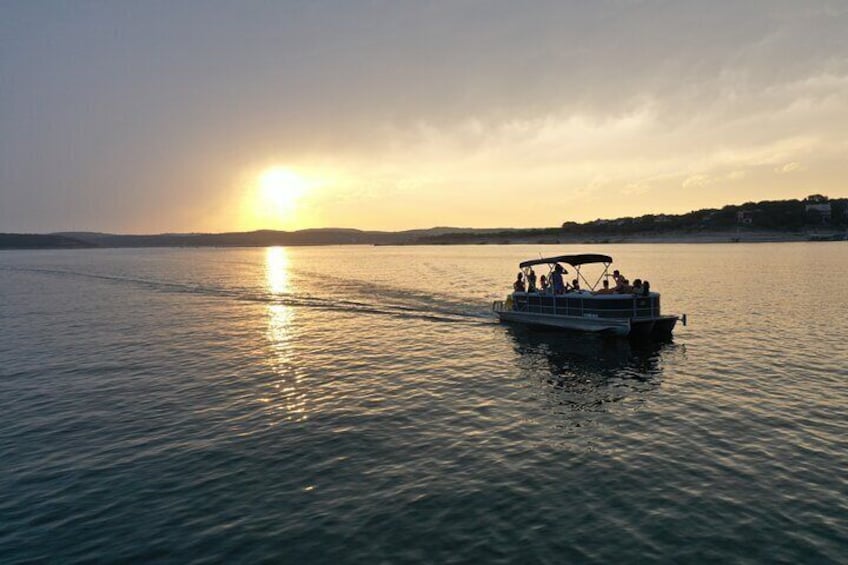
[531,280]
[606,289]
[556,279]
[518,285]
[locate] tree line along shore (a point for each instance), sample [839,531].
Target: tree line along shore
[816,218]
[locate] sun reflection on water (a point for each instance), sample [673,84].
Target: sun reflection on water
[277,269]
[288,398]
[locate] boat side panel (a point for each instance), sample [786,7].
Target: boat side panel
[577,304]
[612,326]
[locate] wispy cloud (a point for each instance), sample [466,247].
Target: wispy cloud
[792,167]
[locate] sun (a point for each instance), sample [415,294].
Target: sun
[280,197]
[280,189]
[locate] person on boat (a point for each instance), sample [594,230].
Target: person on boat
[621,283]
[575,284]
[518,285]
[556,279]
[637,286]
[606,289]
[531,280]
[543,284]
[617,277]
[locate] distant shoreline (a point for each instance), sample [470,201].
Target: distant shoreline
[353,237]
[816,218]
[706,237]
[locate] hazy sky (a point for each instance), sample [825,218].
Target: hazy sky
[164,116]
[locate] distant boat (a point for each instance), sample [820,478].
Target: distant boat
[627,313]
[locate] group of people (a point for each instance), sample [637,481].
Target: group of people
[557,285]
[623,286]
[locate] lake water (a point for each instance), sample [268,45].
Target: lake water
[361,404]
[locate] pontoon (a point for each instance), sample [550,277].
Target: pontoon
[623,314]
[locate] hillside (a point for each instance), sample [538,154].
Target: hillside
[38,241]
[261,238]
[816,217]
[784,220]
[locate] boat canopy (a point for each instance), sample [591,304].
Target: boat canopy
[573,260]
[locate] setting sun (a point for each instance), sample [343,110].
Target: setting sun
[273,199]
[280,188]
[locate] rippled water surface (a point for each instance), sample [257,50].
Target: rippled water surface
[361,404]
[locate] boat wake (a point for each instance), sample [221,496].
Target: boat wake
[387,301]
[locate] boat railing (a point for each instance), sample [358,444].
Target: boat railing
[584,306]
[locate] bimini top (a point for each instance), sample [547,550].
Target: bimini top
[573,260]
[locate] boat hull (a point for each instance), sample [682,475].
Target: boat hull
[620,327]
[657,327]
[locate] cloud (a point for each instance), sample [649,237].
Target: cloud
[792,167]
[695,181]
[612,107]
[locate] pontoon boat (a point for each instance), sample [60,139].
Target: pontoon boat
[629,313]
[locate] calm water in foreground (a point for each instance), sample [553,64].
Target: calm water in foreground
[361,404]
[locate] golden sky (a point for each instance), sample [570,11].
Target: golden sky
[153,117]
